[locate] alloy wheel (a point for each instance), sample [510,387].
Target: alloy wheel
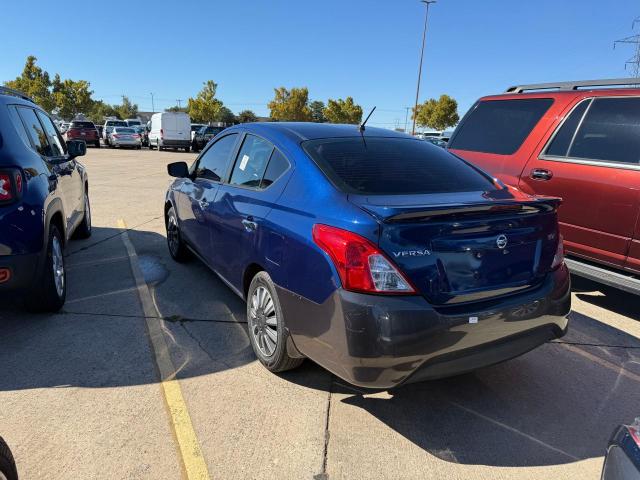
[173,235]
[57,265]
[263,321]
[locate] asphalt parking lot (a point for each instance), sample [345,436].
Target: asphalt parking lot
[81,393]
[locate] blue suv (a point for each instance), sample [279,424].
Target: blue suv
[381,257]
[44,200]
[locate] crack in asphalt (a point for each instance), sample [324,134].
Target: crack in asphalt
[170,318]
[111,237]
[323,475]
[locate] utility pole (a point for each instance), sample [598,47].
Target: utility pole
[633,62]
[179,101]
[424,36]
[153,105]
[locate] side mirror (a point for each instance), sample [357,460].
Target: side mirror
[76,148]
[178,169]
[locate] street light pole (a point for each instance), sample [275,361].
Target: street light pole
[424,36]
[153,105]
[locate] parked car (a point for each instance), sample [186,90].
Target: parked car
[202,136]
[436,141]
[124,137]
[133,122]
[108,128]
[99,128]
[170,130]
[44,201]
[194,128]
[144,135]
[622,461]
[577,141]
[8,469]
[85,131]
[64,127]
[383,275]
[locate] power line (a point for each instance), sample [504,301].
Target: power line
[633,62]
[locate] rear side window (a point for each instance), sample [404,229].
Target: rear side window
[393,166]
[562,141]
[499,126]
[277,166]
[212,164]
[17,123]
[35,130]
[610,131]
[251,162]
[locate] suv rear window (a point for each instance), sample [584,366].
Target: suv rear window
[499,126]
[82,125]
[393,166]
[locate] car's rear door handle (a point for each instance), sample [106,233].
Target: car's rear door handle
[541,174]
[203,204]
[249,224]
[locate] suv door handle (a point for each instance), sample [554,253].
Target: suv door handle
[541,174]
[249,224]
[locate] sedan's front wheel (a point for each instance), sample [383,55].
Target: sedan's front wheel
[177,248]
[267,328]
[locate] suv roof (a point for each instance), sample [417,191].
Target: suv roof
[575,85]
[16,96]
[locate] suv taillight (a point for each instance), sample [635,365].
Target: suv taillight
[10,185]
[361,265]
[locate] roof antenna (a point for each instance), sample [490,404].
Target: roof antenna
[361,128]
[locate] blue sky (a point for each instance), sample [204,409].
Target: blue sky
[366,49]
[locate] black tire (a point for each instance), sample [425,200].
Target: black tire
[7,463]
[187,149]
[177,248]
[84,229]
[45,296]
[97,144]
[279,359]
[159,145]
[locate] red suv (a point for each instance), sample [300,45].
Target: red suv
[579,141]
[86,131]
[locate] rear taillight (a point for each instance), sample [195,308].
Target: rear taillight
[115,135]
[135,135]
[361,265]
[10,185]
[558,258]
[161,133]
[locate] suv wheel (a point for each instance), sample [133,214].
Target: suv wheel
[84,229]
[8,469]
[177,248]
[267,328]
[50,291]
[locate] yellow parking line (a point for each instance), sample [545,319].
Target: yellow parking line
[195,466]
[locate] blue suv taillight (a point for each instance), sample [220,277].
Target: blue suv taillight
[10,185]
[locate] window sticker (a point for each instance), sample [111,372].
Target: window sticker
[243,162]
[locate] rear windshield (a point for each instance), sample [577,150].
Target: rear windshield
[116,123]
[195,128]
[393,166]
[124,130]
[82,125]
[215,130]
[499,126]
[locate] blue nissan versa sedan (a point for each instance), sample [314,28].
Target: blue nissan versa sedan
[383,258]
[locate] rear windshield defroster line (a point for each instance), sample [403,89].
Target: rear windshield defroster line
[393,166]
[499,126]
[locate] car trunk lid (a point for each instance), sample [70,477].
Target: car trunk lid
[475,246]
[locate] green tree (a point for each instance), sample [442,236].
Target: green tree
[225,115]
[127,109]
[247,116]
[176,108]
[100,110]
[36,83]
[72,97]
[437,114]
[290,105]
[317,111]
[205,107]
[343,111]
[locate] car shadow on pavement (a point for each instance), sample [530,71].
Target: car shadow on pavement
[607,297]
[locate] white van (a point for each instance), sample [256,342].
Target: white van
[170,130]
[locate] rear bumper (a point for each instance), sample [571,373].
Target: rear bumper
[381,341]
[22,270]
[176,143]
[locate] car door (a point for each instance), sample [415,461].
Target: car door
[60,180]
[198,193]
[241,235]
[592,162]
